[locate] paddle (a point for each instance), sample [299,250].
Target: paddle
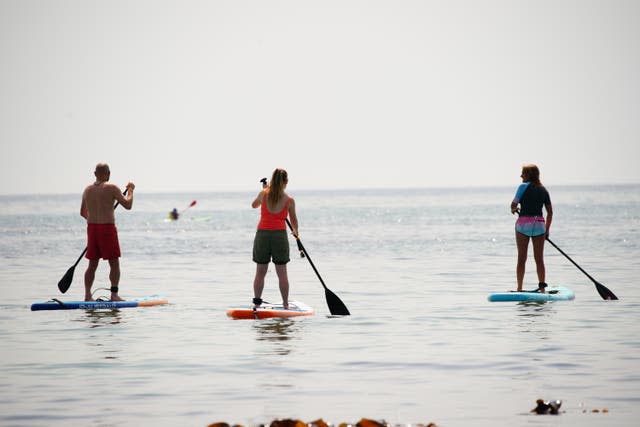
[190,205]
[604,292]
[336,306]
[65,282]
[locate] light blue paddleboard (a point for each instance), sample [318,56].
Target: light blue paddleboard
[553,293]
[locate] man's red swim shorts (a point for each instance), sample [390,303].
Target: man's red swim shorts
[102,241]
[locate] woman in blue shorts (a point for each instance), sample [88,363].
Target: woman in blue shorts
[531,225]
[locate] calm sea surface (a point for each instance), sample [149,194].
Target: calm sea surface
[413,266]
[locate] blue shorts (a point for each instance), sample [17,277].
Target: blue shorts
[531,226]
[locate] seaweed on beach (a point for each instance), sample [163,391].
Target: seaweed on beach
[364,422]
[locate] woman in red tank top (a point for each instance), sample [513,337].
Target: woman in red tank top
[271,242]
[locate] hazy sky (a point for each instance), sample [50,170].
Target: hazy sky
[212,95]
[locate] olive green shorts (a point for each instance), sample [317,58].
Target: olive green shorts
[271,244]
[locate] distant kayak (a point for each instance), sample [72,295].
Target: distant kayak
[553,293]
[267,310]
[191,218]
[56,304]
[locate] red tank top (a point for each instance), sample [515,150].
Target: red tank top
[273,221]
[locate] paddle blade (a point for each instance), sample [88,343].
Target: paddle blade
[604,292]
[336,306]
[65,282]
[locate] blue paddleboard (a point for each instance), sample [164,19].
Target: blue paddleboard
[94,305]
[553,293]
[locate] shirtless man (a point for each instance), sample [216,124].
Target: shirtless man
[102,236]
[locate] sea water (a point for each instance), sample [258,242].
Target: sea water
[413,266]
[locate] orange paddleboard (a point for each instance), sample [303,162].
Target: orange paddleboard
[267,310]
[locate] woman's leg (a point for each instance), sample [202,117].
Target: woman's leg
[538,255]
[258,281]
[283,281]
[522,242]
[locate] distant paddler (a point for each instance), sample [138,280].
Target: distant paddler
[174,214]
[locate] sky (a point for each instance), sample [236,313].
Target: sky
[196,96]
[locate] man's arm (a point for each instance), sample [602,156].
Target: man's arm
[125,201]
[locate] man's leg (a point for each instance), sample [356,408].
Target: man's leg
[89,277]
[114,278]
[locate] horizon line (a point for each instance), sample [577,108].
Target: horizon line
[345,189]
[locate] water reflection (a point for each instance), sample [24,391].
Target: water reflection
[535,317]
[99,318]
[278,332]
[101,340]
[534,308]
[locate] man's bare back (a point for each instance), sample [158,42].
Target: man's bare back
[98,198]
[97,203]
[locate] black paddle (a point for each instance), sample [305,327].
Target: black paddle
[604,292]
[66,280]
[336,306]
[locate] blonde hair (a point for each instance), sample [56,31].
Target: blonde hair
[532,173]
[279,180]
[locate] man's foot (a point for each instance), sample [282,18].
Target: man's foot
[114,294]
[285,305]
[256,302]
[89,298]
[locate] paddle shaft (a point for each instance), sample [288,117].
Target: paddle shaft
[604,292]
[192,204]
[336,306]
[80,257]
[572,261]
[303,251]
